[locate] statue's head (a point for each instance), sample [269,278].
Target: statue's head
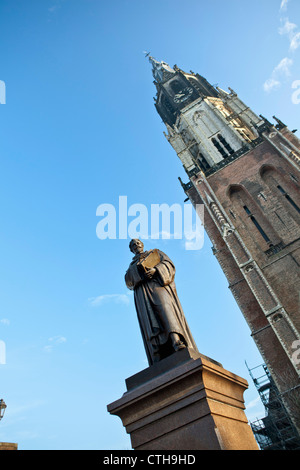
[136,246]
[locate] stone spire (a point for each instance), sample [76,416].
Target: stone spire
[161,70]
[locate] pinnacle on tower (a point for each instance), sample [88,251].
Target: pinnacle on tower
[161,70]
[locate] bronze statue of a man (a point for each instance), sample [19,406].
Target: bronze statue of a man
[162,322]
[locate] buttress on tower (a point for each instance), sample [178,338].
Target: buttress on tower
[245,171]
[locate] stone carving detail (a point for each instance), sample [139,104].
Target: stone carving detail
[187,137]
[197,116]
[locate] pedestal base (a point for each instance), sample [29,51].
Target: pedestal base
[185,402]
[8,446]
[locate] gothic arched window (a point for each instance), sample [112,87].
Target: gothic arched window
[225,144]
[222,146]
[203,162]
[288,198]
[284,193]
[253,223]
[219,147]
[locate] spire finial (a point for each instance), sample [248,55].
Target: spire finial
[160,70]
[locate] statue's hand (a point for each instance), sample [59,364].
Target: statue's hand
[149,273]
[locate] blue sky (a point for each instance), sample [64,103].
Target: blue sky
[79,129]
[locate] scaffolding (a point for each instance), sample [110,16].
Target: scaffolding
[275,431]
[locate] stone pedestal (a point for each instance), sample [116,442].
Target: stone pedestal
[8,446]
[185,402]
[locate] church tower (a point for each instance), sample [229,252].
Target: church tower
[245,171]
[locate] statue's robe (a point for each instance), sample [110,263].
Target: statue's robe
[158,308]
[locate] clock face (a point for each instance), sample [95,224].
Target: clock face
[183,95]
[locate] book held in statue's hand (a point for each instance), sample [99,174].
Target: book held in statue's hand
[150,261]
